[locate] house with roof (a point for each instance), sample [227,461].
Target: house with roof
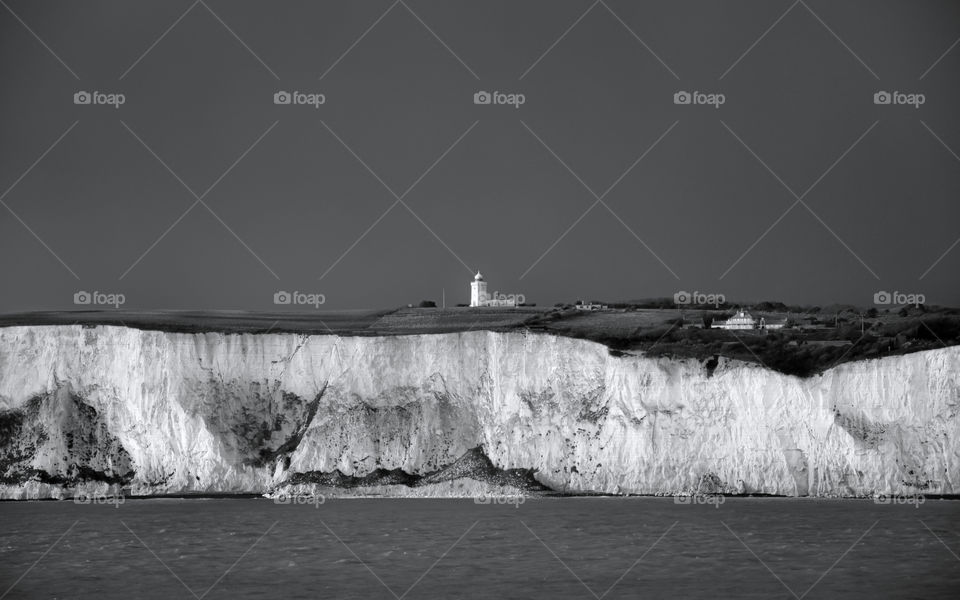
[741,320]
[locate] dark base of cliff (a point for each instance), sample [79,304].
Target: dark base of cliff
[474,464]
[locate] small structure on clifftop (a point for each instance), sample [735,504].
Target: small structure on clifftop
[741,320]
[480,297]
[744,320]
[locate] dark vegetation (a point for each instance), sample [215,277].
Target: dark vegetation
[813,342]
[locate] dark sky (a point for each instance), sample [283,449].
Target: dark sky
[706,208]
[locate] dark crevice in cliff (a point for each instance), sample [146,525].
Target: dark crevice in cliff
[267,456]
[60,424]
[267,429]
[861,429]
[711,364]
[20,435]
[474,464]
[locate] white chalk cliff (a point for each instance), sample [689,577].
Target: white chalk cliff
[163,413]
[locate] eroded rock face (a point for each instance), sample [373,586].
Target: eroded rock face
[170,413]
[56,438]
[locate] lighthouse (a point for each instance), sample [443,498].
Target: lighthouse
[478,290]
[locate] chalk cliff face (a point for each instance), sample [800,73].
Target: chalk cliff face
[82,408]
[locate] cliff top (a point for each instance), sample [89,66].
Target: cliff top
[810,344]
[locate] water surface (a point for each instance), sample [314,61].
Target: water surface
[546,548]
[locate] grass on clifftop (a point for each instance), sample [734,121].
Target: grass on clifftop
[816,340]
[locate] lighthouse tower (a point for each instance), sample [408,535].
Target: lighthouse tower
[478,290]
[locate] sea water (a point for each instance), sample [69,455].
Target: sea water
[538,548]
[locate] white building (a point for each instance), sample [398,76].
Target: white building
[772,324]
[478,290]
[480,297]
[590,306]
[741,320]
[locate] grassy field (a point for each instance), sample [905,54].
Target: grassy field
[816,341]
[344,322]
[341,322]
[445,320]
